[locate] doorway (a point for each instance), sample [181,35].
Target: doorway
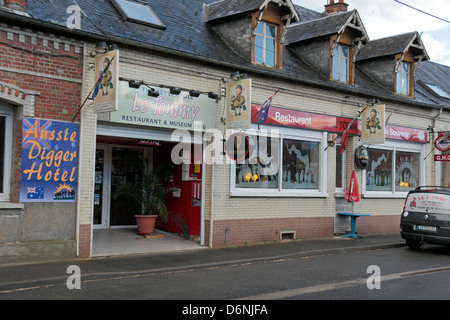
[115,166]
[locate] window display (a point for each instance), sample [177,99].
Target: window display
[300,164]
[407,171]
[259,169]
[379,170]
[382,176]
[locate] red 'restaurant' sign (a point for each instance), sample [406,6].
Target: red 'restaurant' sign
[321,122]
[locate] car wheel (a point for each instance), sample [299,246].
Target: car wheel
[414,244]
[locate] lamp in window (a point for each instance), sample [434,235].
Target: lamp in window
[153,93]
[175,91]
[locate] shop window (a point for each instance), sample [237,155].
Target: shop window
[284,165]
[340,63]
[403,78]
[265,49]
[259,169]
[301,168]
[393,171]
[5,152]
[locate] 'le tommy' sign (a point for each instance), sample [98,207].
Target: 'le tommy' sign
[167,110]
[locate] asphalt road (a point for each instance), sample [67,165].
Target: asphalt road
[392,272]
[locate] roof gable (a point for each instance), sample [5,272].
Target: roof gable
[399,44]
[227,8]
[327,25]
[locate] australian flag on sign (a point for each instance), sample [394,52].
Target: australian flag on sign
[264,111]
[35,193]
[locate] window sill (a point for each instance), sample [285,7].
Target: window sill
[385,195]
[278,194]
[11,205]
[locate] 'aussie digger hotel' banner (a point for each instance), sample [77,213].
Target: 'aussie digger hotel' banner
[167,110]
[49,161]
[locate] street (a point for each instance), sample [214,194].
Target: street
[358,273]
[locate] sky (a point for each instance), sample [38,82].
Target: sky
[384,18]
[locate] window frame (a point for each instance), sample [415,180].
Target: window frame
[338,58]
[264,36]
[396,147]
[127,17]
[7,112]
[292,134]
[343,168]
[403,76]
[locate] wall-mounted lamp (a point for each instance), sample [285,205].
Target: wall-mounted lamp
[373,101]
[134,84]
[153,93]
[175,91]
[213,95]
[236,75]
[101,47]
[194,93]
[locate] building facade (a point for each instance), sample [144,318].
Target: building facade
[191,90]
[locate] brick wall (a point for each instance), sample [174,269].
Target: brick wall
[40,75]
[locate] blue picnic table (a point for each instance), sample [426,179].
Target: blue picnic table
[353,217]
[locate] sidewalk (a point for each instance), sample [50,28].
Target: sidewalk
[38,273]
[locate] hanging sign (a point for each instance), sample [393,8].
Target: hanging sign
[362,157]
[442,142]
[49,161]
[238,104]
[105,93]
[373,125]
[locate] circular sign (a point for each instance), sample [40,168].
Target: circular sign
[361,157]
[442,143]
[237,146]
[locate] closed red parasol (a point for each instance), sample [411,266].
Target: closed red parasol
[352,194]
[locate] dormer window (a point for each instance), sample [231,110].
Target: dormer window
[266,44]
[340,63]
[403,78]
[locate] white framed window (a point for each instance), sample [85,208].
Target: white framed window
[340,168]
[340,63]
[403,78]
[394,169]
[5,151]
[266,44]
[281,163]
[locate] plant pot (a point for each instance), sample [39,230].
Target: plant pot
[145,223]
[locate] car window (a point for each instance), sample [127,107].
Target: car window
[428,202]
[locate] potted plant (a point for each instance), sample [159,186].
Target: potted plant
[150,194]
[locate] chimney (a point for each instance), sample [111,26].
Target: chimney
[19,5]
[335,6]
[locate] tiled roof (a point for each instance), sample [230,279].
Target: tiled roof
[322,26]
[388,46]
[187,35]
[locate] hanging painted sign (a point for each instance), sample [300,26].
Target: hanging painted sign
[442,142]
[238,106]
[373,125]
[167,110]
[327,123]
[105,91]
[49,161]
